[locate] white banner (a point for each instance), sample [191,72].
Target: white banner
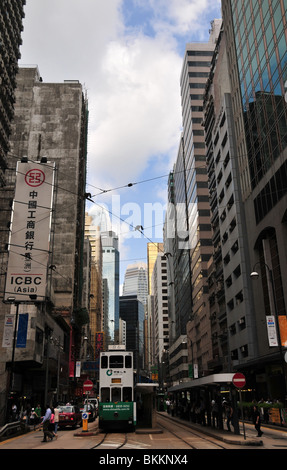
[8,331]
[271,329]
[29,242]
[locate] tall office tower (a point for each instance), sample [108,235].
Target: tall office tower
[135,282]
[50,125]
[257,58]
[92,232]
[193,229]
[160,331]
[111,278]
[11,25]
[152,251]
[231,312]
[132,313]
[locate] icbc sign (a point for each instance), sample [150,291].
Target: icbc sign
[35,177]
[29,242]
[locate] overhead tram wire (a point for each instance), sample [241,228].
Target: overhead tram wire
[129,185]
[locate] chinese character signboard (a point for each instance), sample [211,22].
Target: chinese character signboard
[271,330]
[29,242]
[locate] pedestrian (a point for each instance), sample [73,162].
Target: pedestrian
[172,407]
[167,402]
[33,418]
[214,413]
[38,411]
[229,415]
[56,420]
[46,424]
[52,422]
[14,412]
[257,420]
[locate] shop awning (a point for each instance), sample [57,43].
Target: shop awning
[214,379]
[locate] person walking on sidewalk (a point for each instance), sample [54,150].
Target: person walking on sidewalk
[46,425]
[257,421]
[56,420]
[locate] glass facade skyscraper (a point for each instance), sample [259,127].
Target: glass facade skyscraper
[260,39]
[256,33]
[111,279]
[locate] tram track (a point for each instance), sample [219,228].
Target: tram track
[110,439]
[191,432]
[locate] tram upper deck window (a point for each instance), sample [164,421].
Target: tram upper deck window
[104,362]
[116,362]
[128,362]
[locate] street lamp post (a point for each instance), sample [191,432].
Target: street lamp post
[255,275]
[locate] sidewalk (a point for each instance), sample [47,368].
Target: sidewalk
[220,434]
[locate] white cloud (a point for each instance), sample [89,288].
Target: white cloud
[184,17]
[138,115]
[132,80]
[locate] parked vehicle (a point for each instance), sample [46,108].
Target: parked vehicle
[94,401]
[91,410]
[69,415]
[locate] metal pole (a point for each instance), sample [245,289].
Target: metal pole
[242,415]
[14,346]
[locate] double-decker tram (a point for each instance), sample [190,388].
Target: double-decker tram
[117,409]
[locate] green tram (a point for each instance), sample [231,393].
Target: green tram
[117,408]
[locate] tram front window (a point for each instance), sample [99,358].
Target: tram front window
[127,394]
[116,362]
[105,394]
[104,362]
[128,362]
[116,394]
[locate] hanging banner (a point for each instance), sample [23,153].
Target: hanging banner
[29,241]
[22,330]
[8,331]
[271,330]
[282,319]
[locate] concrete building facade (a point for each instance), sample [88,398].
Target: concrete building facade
[50,125]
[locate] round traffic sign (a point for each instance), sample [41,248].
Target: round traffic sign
[238,380]
[88,386]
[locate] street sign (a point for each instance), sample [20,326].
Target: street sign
[238,380]
[87,386]
[84,415]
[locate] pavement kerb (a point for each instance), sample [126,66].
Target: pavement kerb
[217,434]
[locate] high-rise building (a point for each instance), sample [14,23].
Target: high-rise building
[50,125]
[111,283]
[135,282]
[132,313]
[92,232]
[192,247]
[152,251]
[257,60]
[160,331]
[231,311]
[11,26]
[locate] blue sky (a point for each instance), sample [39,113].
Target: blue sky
[128,55]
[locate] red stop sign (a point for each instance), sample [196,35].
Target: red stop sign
[238,380]
[88,386]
